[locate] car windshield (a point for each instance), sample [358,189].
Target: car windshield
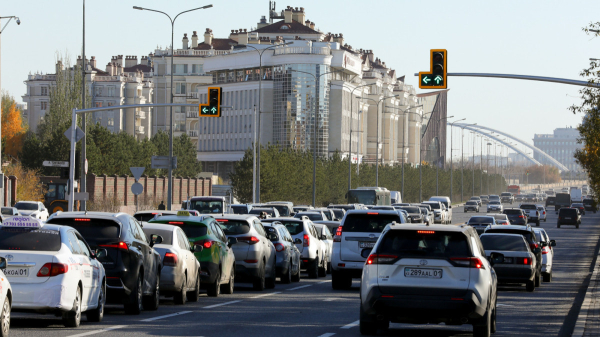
[471,203]
[503,243]
[167,235]
[368,223]
[207,206]
[434,205]
[239,209]
[29,239]
[26,206]
[528,207]
[312,216]
[294,227]
[410,209]
[425,243]
[475,198]
[505,194]
[234,227]
[94,231]
[481,219]
[495,203]
[512,212]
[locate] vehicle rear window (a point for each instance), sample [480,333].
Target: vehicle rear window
[193,230]
[434,206]
[283,210]
[512,211]
[567,212]
[405,243]
[26,206]
[527,207]
[29,239]
[294,227]
[311,216]
[234,227]
[481,219]
[368,223]
[237,209]
[338,213]
[269,211]
[144,216]
[94,231]
[471,203]
[587,201]
[410,209]
[528,236]
[166,234]
[503,242]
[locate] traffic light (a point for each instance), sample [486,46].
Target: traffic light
[213,107]
[527,172]
[437,76]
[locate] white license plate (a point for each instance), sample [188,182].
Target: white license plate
[508,260]
[567,218]
[422,273]
[16,272]
[366,244]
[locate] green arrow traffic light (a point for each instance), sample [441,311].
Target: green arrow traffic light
[426,79]
[438,79]
[213,110]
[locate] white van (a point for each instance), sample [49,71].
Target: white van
[396,197]
[446,201]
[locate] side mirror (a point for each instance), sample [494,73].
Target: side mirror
[155,239]
[231,242]
[198,248]
[272,237]
[297,241]
[496,258]
[544,244]
[552,243]
[101,252]
[2,263]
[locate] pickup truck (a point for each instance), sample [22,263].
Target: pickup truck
[533,215]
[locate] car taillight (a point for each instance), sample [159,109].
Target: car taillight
[524,260]
[546,250]
[120,245]
[279,247]
[533,246]
[207,244]
[170,259]
[381,259]
[338,234]
[251,240]
[520,216]
[471,262]
[306,241]
[53,269]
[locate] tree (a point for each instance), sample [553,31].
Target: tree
[13,126]
[29,185]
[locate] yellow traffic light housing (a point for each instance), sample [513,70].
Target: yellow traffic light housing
[437,77]
[213,107]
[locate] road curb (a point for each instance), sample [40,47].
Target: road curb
[587,303]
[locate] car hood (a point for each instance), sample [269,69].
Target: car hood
[27,212]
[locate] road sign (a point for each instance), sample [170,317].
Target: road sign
[137,188]
[137,171]
[51,163]
[81,196]
[162,162]
[436,77]
[213,107]
[78,134]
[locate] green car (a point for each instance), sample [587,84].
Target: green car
[211,248]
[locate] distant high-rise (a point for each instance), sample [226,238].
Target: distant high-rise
[560,145]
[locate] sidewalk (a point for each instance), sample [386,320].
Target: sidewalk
[588,321]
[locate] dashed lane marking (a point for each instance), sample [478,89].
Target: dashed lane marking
[300,287]
[165,316]
[351,325]
[93,332]
[504,305]
[265,295]
[220,304]
[329,334]
[329,299]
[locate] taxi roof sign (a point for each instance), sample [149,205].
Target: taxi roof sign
[183,213]
[22,222]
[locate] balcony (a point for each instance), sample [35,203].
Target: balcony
[192,52]
[141,114]
[193,114]
[139,130]
[192,133]
[193,95]
[372,74]
[303,50]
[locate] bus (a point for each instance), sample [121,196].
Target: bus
[208,205]
[514,189]
[379,196]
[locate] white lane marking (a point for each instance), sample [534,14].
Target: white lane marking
[165,316]
[221,304]
[329,299]
[329,334]
[300,287]
[99,331]
[351,325]
[504,305]
[265,295]
[325,281]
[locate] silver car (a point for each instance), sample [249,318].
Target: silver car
[179,276]
[327,239]
[288,256]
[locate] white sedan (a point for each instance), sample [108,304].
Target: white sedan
[547,253]
[495,207]
[34,209]
[52,270]
[6,295]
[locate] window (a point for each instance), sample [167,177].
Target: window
[197,68]
[74,243]
[110,122]
[44,91]
[180,88]
[111,91]
[98,91]
[181,69]
[98,104]
[44,105]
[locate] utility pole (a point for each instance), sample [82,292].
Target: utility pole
[83,180]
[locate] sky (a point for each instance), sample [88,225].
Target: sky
[534,37]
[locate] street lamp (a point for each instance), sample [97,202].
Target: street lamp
[255,154]
[170,183]
[437,170]
[462,157]
[403,137]
[487,163]
[451,157]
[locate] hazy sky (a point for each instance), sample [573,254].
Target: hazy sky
[541,38]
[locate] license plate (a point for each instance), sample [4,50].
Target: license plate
[508,260]
[567,218]
[366,244]
[422,273]
[16,272]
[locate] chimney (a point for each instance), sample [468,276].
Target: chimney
[93,62]
[184,42]
[298,15]
[262,23]
[242,37]
[109,69]
[79,64]
[118,59]
[233,35]
[194,40]
[208,35]
[130,61]
[287,14]
[59,67]
[339,39]
[312,25]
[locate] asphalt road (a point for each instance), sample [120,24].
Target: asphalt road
[312,308]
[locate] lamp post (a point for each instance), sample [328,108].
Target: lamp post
[462,157]
[255,152]
[437,169]
[487,162]
[451,157]
[170,182]
[473,161]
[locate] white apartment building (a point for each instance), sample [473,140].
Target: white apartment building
[124,82]
[560,145]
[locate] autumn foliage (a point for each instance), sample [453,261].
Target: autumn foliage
[29,186]
[13,128]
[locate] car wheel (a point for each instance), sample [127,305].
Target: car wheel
[367,326]
[548,277]
[259,281]
[96,315]
[194,295]
[530,285]
[181,296]
[328,267]
[134,307]
[538,279]
[153,301]
[296,277]
[228,288]
[270,282]
[72,318]
[537,224]
[313,269]
[339,281]
[214,288]
[557,225]
[5,318]
[493,322]
[287,276]
[322,269]
[484,330]
[545,220]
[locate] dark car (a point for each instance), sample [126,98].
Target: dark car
[590,204]
[516,216]
[562,200]
[568,216]
[480,223]
[550,201]
[534,245]
[580,207]
[518,263]
[132,266]
[471,206]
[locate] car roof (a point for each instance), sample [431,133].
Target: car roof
[191,218]
[154,225]
[308,212]
[283,218]
[238,217]
[440,228]
[154,211]
[525,228]
[503,234]
[324,222]
[366,211]
[95,215]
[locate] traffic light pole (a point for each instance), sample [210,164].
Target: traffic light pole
[526,77]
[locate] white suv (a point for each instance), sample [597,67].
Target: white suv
[428,275]
[352,243]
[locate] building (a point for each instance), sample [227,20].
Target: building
[560,145]
[124,82]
